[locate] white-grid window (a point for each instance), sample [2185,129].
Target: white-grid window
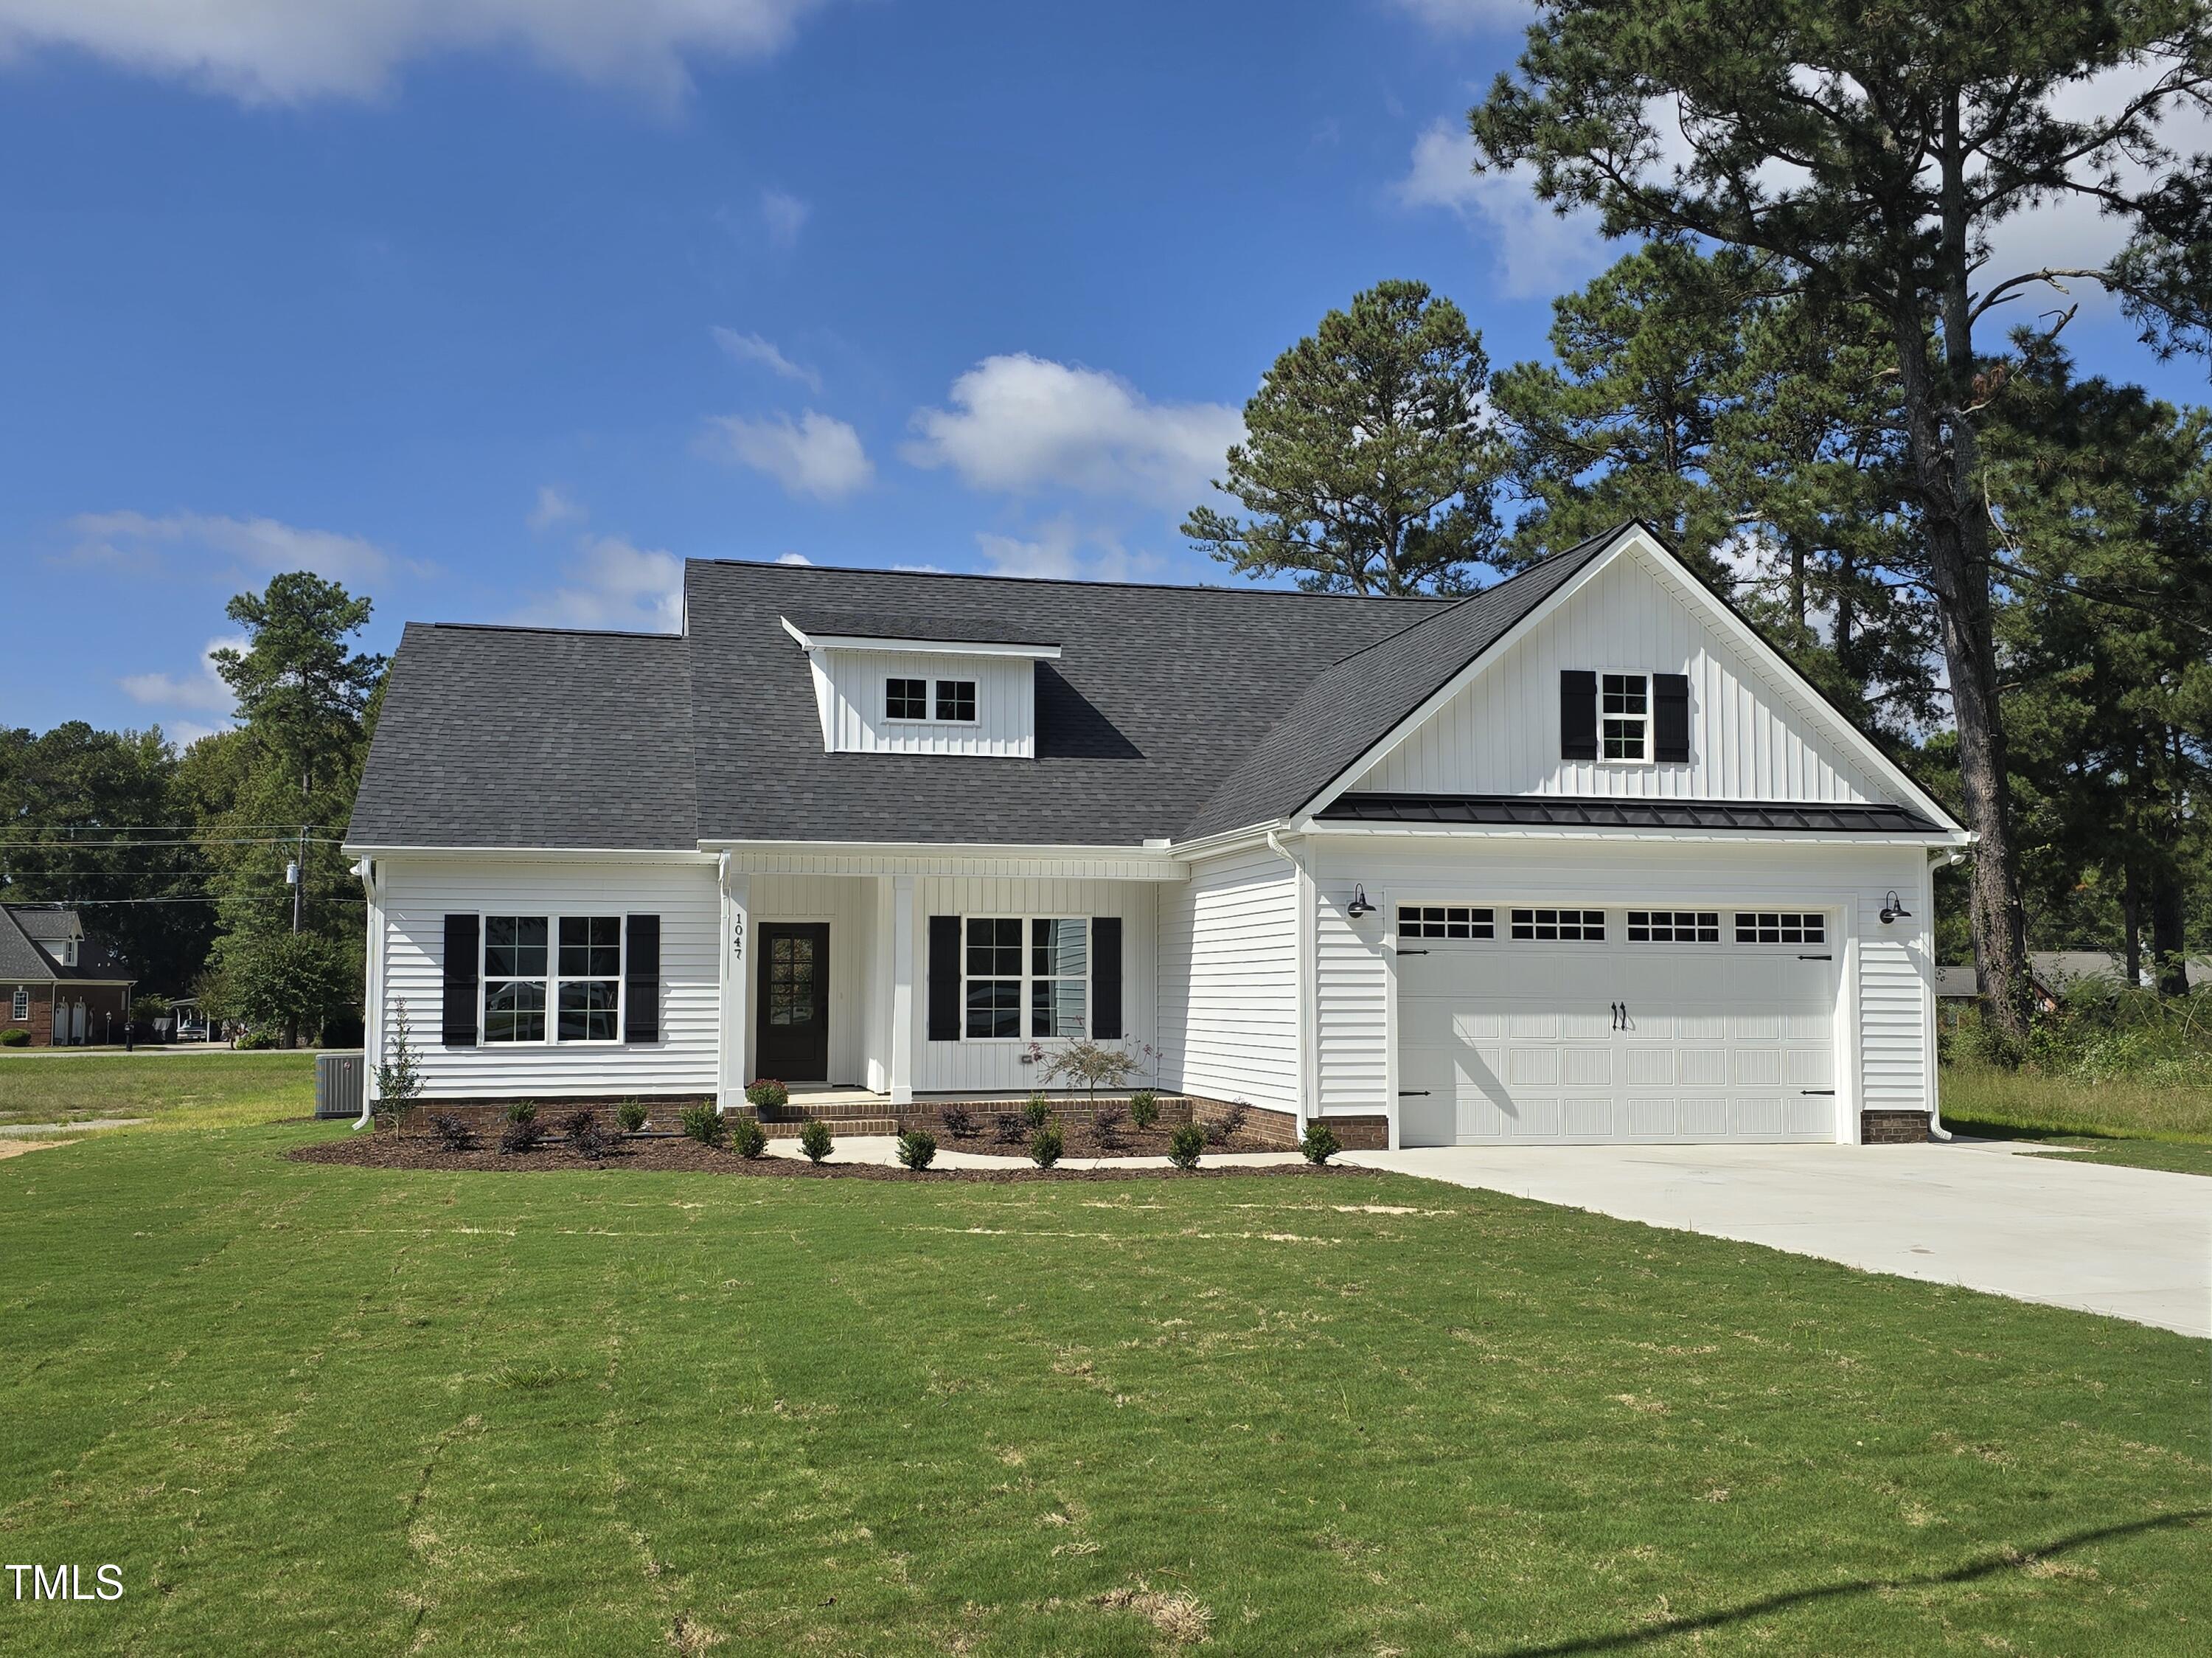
[1674,927]
[1624,708]
[1780,927]
[588,979]
[1556,926]
[1038,963]
[19,1008]
[514,978]
[1445,920]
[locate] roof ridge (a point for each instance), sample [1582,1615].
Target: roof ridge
[1443,600]
[570,633]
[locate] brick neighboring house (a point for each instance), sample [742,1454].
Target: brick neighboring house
[65,989]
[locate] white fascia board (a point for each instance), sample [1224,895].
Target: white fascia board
[1517,832]
[1041,653]
[1161,865]
[568,853]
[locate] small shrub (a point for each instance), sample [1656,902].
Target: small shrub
[1185,1145]
[747,1138]
[814,1140]
[1319,1144]
[959,1122]
[453,1133]
[917,1150]
[1011,1130]
[522,1111]
[1106,1122]
[253,1040]
[706,1124]
[18,1038]
[1235,1116]
[766,1094]
[1214,1132]
[1144,1108]
[1046,1144]
[585,1135]
[631,1115]
[1038,1111]
[399,1079]
[524,1134]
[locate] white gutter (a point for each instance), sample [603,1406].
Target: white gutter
[366,870]
[1949,857]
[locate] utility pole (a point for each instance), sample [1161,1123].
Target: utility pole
[298,873]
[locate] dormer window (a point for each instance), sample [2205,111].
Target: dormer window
[906,699]
[914,685]
[956,700]
[1624,717]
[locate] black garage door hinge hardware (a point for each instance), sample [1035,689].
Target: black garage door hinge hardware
[1830,1093]
[1412,1094]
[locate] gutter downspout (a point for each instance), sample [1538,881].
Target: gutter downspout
[366,870]
[1305,1010]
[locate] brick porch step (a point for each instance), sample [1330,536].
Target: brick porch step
[842,1125]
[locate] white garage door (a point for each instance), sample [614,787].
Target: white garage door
[1561,1024]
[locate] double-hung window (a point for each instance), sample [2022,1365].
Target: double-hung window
[956,700]
[514,976]
[1032,967]
[906,699]
[588,997]
[1624,705]
[19,1009]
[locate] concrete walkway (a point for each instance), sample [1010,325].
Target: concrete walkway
[2131,1243]
[88,1126]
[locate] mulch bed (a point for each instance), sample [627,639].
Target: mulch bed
[381,1149]
[1081,1140]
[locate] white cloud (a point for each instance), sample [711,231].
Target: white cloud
[1535,250]
[785,215]
[1468,16]
[793,558]
[291,51]
[554,508]
[185,733]
[613,583]
[1019,424]
[203,693]
[751,347]
[816,455]
[261,544]
[1058,550]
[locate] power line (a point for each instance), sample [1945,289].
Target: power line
[182,841]
[212,898]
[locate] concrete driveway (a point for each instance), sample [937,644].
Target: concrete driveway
[2131,1243]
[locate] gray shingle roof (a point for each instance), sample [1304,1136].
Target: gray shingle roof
[495,736]
[28,931]
[21,959]
[1158,692]
[1570,812]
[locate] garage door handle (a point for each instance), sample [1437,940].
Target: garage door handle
[1412,1094]
[1816,958]
[1830,1093]
[1413,952]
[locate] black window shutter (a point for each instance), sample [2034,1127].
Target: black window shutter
[1106,978]
[641,980]
[1577,714]
[1670,714]
[460,1021]
[944,978]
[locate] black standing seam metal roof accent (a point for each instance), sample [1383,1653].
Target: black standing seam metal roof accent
[1572,811]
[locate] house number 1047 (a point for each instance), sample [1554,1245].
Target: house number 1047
[738,939]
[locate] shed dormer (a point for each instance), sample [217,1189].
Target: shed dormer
[887,685]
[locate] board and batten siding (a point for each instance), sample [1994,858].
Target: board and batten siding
[1750,737]
[996,1066]
[1892,990]
[1005,704]
[1228,980]
[418,892]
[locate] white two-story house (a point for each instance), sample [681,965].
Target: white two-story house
[1578,858]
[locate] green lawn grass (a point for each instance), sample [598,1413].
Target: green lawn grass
[2145,1124]
[174,1091]
[329,1410]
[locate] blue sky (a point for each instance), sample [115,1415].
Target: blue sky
[494,309]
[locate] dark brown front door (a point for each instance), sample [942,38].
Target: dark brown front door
[794,1002]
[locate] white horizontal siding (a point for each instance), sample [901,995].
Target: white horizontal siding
[418,893]
[1005,704]
[1751,736]
[1894,996]
[1228,1000]
[1351,1008]
[995,1067]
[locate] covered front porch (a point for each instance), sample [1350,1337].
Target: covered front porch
[927,978]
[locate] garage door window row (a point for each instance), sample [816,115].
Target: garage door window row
[1546,926]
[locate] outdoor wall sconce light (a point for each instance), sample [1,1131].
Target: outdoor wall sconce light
[1360,905]
[1894,909]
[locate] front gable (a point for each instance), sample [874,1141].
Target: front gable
[1756,731]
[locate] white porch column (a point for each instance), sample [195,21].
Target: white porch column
[879,987]
[736,940]
[902,940]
